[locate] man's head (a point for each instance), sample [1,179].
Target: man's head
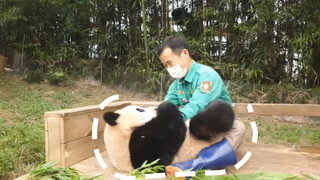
[173,52]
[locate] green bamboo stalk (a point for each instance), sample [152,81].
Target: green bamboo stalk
[145,31]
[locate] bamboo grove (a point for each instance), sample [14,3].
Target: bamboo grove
[257,41]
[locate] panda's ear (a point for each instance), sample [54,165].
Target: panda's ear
[111,118]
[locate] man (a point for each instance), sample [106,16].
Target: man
[196,85]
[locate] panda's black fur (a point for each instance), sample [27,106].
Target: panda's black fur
[217,117]
[111,118]
[161,137]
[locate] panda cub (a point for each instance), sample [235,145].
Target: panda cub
[161,137]
[217,117]
[165,136]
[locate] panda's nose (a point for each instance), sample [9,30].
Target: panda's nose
[140,110]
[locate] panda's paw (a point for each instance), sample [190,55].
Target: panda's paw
[171,171]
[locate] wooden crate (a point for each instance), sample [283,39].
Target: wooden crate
[69,136]
[69,132]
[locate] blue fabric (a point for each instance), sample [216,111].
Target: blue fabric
[216,156]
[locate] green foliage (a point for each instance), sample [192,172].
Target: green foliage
[273,131]
[34,76]
[283,92]
[86,69]
[147,168]
[58,77]
[22,136]
[263,41]
[137,77]
[63,99]
[49,171]
[21,144]
[290,134]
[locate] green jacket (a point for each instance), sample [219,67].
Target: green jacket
[192,94]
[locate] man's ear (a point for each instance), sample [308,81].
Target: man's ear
[111,118]
[185,52]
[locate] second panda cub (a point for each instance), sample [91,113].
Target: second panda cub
[217,117]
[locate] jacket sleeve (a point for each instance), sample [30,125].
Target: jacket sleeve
[172,95]
[200,99]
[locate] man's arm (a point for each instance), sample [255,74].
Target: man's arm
[172,94]
[209,87]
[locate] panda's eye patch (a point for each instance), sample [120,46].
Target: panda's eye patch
[140,110]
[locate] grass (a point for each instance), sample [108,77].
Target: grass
[279,132]
[22,134]
[22,144]
[22,106]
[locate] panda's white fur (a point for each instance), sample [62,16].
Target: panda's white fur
[117,139]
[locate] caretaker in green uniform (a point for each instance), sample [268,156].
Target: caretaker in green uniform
[196,85]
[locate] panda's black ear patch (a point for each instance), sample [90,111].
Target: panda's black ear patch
[111,118]
[140,110]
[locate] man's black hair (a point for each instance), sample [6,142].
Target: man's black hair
[176,44]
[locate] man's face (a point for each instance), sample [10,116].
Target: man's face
[170,59]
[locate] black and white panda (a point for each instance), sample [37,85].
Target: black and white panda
[166,136]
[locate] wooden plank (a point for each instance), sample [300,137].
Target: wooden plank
[145,103]
[279,109]
[241,108]
[80,125]
[65,131]
[265,158]
[53,138]
[46,138]
[280,158]
[81,149]
[91,167]
[83,110]
[262,108]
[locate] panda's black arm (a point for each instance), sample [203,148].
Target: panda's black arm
[137,149]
